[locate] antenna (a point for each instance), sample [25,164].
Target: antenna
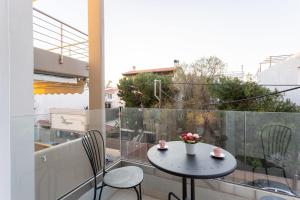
[158,97]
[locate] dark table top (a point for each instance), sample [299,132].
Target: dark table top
[175,161]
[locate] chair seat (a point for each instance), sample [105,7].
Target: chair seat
[124,177]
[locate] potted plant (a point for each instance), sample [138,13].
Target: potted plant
[190,141]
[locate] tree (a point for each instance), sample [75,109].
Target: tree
[229,91]
[191,81]
[139,91]
[126,92]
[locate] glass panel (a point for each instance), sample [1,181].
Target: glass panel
[142,128]
[130,133]
[112,129]
[272,160]
[61,163]
[54,129]
[237,132]
[21,150]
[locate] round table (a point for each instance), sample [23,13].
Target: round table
[175,161]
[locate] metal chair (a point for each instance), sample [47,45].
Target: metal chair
[275,142]
[120,178]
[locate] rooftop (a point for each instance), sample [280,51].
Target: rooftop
[111,89]
[153,70]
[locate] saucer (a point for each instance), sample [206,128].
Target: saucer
[159,148]
[222,155]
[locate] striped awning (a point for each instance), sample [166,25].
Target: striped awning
[50,87]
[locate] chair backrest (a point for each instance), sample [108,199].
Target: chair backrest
[93,143]
[275,140]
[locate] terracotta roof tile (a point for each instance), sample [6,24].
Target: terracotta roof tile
[111,89]
[155,70]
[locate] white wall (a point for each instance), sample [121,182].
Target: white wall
[114,100]
[65,168]
[5,182]
[48,62]
[16,71]
[42,103]
[287,72]
[21,102]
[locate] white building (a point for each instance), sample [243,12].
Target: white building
[283,75]
[112,100]
[235,74]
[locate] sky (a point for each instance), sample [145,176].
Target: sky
[152,33]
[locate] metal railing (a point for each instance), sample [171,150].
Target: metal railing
[269,61]
[56,36]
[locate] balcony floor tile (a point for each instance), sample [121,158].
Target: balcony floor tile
[128,195]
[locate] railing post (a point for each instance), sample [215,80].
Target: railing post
[245,143]
[70,53]
[61,57]
[155,91]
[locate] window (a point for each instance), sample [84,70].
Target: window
[107,105]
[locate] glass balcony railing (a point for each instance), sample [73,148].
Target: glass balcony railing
[264,144]
[62,127]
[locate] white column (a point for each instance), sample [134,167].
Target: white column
[96,54]
[4,103]
[16,100]
[96,65]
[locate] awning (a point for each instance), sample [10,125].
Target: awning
[49,87]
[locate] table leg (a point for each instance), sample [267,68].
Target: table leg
[184,190]
[184,186]
[192,189]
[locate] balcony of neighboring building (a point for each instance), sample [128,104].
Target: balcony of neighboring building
[60,56]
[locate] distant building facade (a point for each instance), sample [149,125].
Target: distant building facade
[283,75]
[112,100]
[235,74]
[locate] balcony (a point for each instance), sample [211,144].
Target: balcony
[60,49]
[62,170]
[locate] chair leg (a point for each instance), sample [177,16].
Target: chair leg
[137,193]
[95,187]
[101,188]
[266,170]
[171,194]
[285,178]
[253,171]
[140,187]
[283,171]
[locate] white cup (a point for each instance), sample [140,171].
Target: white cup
[162,144]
